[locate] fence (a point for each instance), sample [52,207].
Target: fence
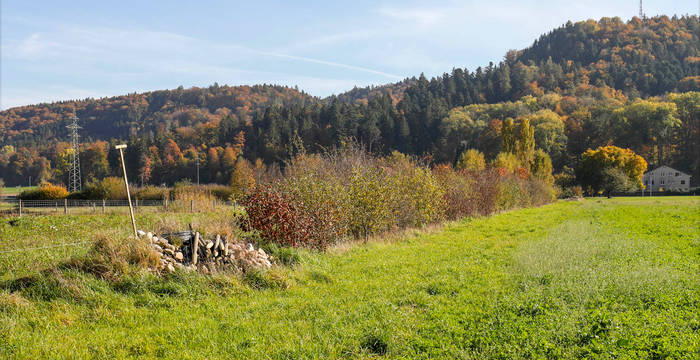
[71,206]
[693,192]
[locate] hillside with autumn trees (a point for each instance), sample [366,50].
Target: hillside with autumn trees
[587,84]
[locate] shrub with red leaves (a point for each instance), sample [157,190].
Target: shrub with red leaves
[522,173]
[278,218]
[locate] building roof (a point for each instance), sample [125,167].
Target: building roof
[664,166]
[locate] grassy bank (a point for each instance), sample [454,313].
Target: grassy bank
[600,278]
[34,243]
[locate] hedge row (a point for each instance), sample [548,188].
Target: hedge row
[322,199]
[112,188]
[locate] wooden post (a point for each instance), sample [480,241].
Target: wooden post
[191,205]
[103,206]
[55,206]
[65,206]
[195,247]
[94,210]
[217,242]
[126,184]
[20,207]
[214,205]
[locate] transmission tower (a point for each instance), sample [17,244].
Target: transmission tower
[74,183]
[641,10]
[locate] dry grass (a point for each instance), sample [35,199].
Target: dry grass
[111,259]
[223,226]
[12,301]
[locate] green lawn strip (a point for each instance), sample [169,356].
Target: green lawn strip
[603,286]
[573,279]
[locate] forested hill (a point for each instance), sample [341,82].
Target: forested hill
[145,113]
[640,57]
[364,95]
[651,55]
[582,85]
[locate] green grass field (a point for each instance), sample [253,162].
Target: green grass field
[15,190]
[600,278]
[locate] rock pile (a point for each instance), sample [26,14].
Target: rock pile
[205,255]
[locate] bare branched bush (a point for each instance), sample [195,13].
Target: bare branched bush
[459,189]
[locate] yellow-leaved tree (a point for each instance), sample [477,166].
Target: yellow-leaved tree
[610,168]
[471,160]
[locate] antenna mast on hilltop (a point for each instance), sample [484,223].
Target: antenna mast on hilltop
[641,10]
[74,183]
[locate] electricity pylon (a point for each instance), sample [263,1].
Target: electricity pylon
[74,183]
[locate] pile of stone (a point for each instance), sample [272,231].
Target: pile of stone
[205,255]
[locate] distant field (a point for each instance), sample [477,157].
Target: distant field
[15,190]
[598,278]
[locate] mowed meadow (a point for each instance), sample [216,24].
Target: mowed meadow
[597,278]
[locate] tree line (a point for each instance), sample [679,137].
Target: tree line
[584,85]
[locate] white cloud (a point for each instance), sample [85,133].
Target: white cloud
[329,63]
[100,44]
[121,60]
[420,16]
[437,36]
[334,39]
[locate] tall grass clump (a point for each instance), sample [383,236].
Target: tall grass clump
[111,259]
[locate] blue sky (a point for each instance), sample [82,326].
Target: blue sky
[59,50]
